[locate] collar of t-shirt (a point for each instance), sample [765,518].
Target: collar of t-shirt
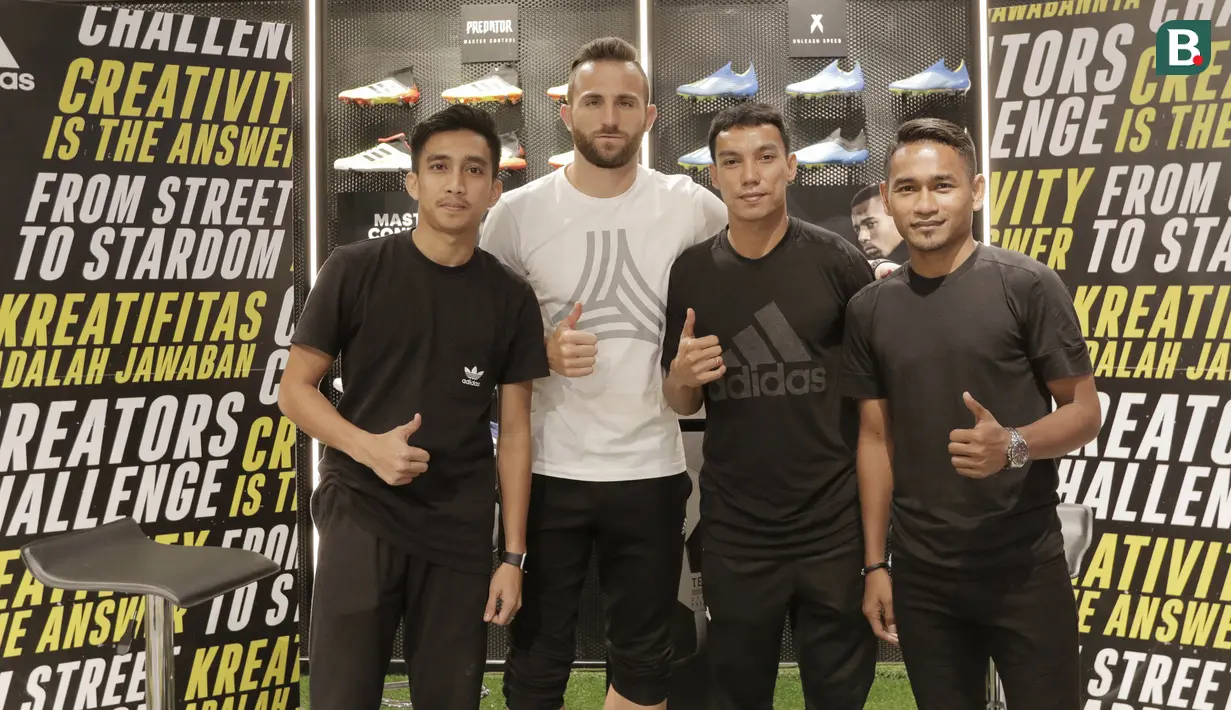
[422,258]
[724,240]
[931,283]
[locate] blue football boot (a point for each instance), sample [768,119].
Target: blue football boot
[831,80]
[936,79]
[699,159]
[722,83]
[834,150]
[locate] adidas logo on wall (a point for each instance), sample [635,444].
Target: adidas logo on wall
[11,76]
[775,365]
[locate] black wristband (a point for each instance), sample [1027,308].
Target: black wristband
[872,568]
[516,559]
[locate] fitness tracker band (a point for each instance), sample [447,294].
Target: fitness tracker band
[517,559]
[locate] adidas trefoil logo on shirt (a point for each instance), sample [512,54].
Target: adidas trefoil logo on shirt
[761,372]
[472,376]
[11,76]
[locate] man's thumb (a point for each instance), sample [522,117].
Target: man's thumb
[570,322]
[690,322]
[975,408]
[410,427]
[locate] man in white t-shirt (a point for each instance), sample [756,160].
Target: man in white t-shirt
[597,240]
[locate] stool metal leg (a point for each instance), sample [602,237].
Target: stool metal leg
[995,694]
[159,654]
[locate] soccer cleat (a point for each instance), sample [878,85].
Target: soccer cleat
[560,159]
[722,83]
[399,88]
[831,80]
[834,150]
[699,159]
[936,79]
[512,154]
[558,93]
[393,154]
[499,87]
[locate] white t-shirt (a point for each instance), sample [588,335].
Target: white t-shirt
[614,255]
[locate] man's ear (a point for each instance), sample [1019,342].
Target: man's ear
[980,184]
[566,115]
[651,114]
[497,191]
[412,185]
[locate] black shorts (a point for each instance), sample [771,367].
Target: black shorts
[363,591]
[949,624]
[747,602]
[639,530]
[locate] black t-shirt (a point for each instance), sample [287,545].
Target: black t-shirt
[1001,327]
[415,336]
[779,473]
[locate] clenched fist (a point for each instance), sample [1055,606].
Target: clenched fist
[395,461]
[698,361]
[572,352]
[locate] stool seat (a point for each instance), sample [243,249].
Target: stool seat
[118,557]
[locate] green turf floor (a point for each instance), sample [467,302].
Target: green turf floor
[587,688]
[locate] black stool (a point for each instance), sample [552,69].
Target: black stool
[119,558]
[1077,529]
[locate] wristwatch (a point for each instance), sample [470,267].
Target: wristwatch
[1018,453]
[517,559]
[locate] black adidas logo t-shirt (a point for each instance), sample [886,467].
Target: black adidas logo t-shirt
[779,472]
[414,336]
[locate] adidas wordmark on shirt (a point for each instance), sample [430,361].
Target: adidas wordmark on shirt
[614,256]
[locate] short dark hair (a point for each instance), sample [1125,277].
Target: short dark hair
[459,117]
[747,115]
[606,49]
[867,192]
[935,130]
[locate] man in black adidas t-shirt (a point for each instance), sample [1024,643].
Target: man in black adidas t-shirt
[954,360]
[754,331]
[426,326]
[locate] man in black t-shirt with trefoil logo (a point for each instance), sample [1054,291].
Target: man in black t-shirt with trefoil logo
[426,326]
[954,360]
[754,332]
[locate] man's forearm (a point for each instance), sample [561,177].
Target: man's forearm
[684,401]
[1064,431]
[513,461]
[318,418]
[875,473]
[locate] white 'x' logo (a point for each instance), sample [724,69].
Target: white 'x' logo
[816,24]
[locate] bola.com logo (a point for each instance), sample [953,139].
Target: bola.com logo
[11,76]
[1182,47]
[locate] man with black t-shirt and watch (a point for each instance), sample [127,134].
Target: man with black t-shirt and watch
[427,327]
[954,360]
[754,331]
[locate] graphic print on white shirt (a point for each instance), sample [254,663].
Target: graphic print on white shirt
[614,256]
[616,299]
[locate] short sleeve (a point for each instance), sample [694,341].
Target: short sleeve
[500,237]
[526,358]
[711,215]
[861,373]
[327,319]
[1054,341]
[858,274]
[677,311]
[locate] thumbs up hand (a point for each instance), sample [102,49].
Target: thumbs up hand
[980,451]
[572,352]
[392,458]
[698,361]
